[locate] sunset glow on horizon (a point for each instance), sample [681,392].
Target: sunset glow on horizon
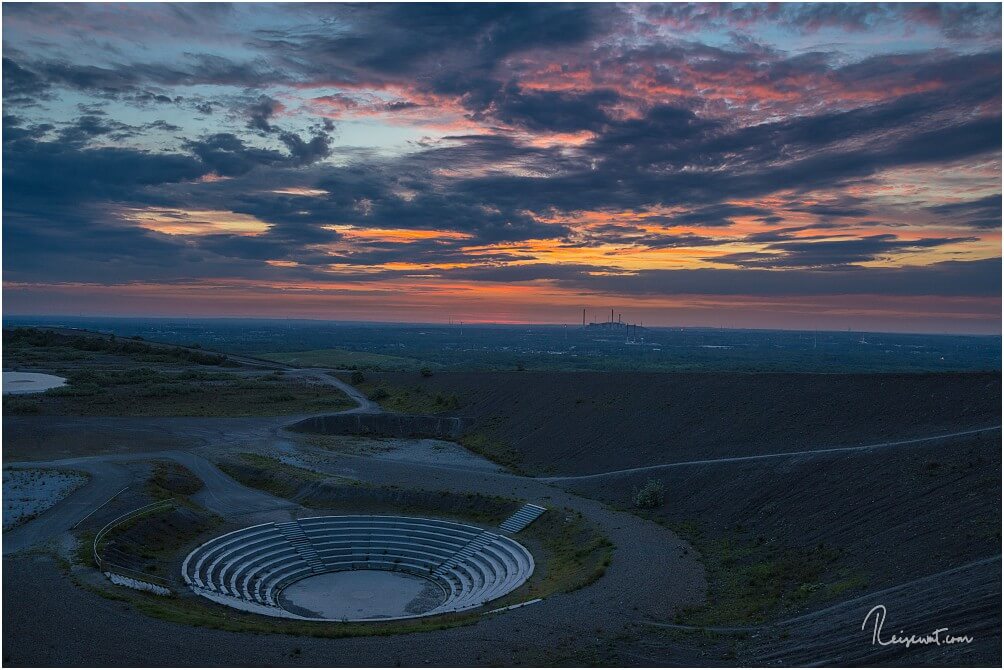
[762,166]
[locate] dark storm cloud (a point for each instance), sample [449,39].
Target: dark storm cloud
[24,81]
[839,210]
[526,272]
[399,38]
[89,127]
[831,253]
[554,111]
[229,156]
[635,235]
[63,171]
[453,50]
[641,163]
[716,215]
[787,233]
[305,152]
[981,213]
[20,84]
[958,20]
[260,111]
[948,278]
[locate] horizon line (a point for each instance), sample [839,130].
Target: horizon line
[474,324]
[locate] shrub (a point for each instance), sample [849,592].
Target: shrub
[20,406]
[379,394]
[357,377]
[650,496]
[425,372]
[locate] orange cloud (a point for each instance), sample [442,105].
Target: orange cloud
[194,222]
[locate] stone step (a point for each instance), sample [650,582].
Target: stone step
[522,518]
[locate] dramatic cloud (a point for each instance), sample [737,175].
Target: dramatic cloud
[519,152]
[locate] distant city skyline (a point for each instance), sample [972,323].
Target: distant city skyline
[795,166]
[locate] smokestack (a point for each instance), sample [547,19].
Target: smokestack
[583,318]
[611,316]
[618,317]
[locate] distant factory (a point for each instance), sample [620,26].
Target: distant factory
[631,331]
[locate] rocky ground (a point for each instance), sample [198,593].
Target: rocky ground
[28,493]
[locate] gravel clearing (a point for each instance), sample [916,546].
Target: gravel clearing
[28,493]
[20,383]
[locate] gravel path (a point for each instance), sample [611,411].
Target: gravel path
[784,454]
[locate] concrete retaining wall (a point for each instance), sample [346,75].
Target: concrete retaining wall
[385,425]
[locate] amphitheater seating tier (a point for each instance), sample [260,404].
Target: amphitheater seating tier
[253,565]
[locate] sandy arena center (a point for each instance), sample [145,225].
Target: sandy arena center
[358,568]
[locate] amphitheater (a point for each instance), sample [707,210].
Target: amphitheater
[361,568]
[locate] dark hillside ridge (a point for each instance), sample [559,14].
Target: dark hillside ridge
[896,514]
[588,422]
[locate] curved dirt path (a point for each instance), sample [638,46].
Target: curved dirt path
[220,494]
[363,404]
[106,480]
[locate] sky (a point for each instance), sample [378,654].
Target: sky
[806,166]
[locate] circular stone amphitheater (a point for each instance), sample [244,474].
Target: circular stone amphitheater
[357,568]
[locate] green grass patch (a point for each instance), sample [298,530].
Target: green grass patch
[13,405]
[577,553]
[268,474]
[754,581]
[169,479]
[409,399]
[484,443]
[346,360]
[108,376]
[150,544]
[23,344]
[148,392]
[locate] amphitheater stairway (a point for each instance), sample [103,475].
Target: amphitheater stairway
[523,517]
[293,533]
[468,550]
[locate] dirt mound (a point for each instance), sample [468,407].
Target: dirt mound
[584,422]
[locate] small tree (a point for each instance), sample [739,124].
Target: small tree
[650,496]
[425,372]
[357,377]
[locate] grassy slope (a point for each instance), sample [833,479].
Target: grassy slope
[409,399]
[109,377]
[784,536]
[341,358]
